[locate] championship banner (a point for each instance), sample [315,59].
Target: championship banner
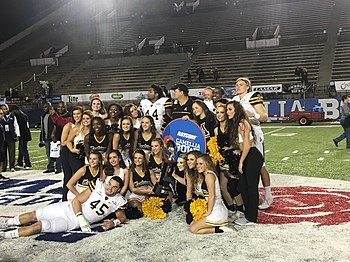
[342,85]
[268,88]
[187,136]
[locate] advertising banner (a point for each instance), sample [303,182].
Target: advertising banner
[186,134]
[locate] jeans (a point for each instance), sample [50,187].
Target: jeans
[344,135]
[23,154]
[9,145]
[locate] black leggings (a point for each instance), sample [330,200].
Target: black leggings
[249,182]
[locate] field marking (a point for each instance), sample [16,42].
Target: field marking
[273,131]
[285,158]
[268,150]
[284,134]
[35,157]
[295,151]
[320,159]
[326,152]
[327,126]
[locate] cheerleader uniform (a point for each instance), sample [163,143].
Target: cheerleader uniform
[180,188]
[139,182]
[125,147]
[155,166]
[219,214]
[144,144]
[121,175]
[100,145]
[84,181]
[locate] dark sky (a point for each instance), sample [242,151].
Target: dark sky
[15,15]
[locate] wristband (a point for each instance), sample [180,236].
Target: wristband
[116,222]
[78,214]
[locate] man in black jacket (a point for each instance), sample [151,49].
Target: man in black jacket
[23,124]
[2,139]
[12,134]
[45,136]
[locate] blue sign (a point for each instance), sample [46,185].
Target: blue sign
[186,134]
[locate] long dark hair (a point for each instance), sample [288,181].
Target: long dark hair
[102,109]
[109,169]
[153,127]
[144,164]
[132,134]
[193,172]
[210,116]
[233,124]
[81,112]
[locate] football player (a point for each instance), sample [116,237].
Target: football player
[252,102]
[156,106]
[91,206]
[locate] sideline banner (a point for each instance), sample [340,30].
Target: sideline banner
[342,85]
[186,134]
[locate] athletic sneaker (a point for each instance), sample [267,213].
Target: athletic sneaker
[266,203]
[243,222]
[13,170]
[19,167]
[226,229]
[3,223]
[28,167]
[233,216]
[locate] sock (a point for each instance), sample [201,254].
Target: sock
[11,234]
[232,207]
[268,194]
[14,221]
[218,230]
[240,208]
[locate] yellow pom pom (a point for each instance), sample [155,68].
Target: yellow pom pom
[152,208]
[214,150]
[198,208]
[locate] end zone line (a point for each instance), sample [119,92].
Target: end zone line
[273,131]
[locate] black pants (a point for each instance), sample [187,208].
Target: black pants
[23,154]
[67,171]
[9,145]
[249,182]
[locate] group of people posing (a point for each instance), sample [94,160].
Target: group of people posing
[113,159]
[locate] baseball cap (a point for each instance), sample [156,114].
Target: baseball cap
[182,87]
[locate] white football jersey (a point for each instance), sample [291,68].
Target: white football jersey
[156,110]
[99,205]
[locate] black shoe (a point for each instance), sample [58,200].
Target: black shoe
[3,178]
[48,171]
[335,142]
[58,171]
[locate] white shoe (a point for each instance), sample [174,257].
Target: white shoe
[266,203]
[243,222]
[13,170]
[233,216]
[3,223]
[226,229]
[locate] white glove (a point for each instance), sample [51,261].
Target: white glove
[84,225]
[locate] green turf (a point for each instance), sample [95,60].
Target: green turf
[310,142]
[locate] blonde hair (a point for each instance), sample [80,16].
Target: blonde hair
[246,80]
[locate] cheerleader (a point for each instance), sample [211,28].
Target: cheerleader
[179,174]
[115,115]
[156,158]
[98,139]
[204,118]
[124,140]
[206,184]
[141,181]
[97,107]
[145,134]
[65,153]
[75,142]
[250,163]
[116,167]
[228,177]
[86,174]
[131,110]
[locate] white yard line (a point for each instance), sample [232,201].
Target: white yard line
[326,152]
[285,158]
[320,159]
[273,131]
[295,151]
[266,151]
